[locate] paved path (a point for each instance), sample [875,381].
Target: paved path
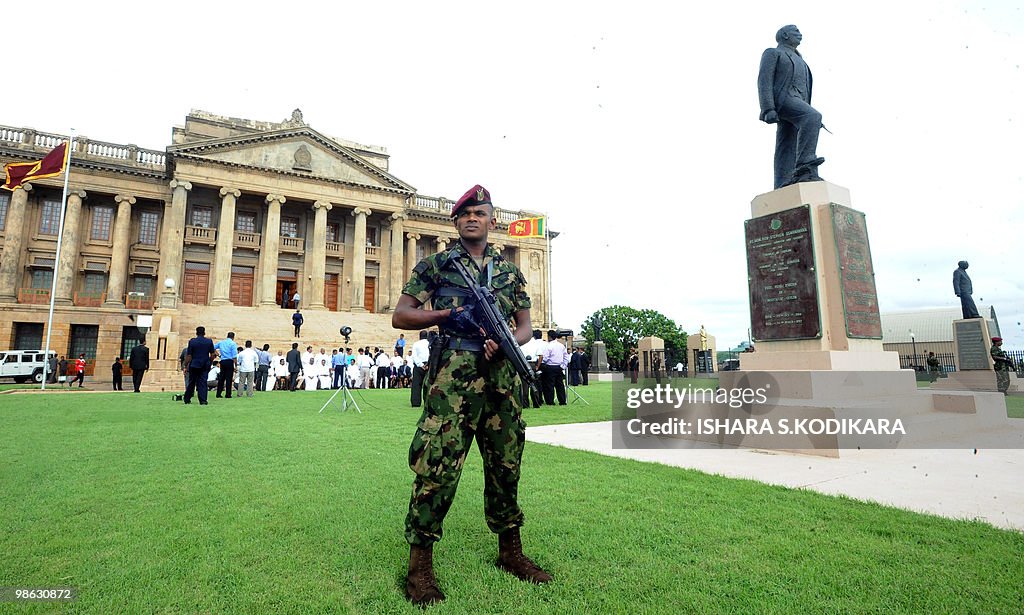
[959,483]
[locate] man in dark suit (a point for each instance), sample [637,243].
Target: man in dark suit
[138,360]
[584,366]
[116,370]
[198,360]
[574,368]
[294,359]
[784,92]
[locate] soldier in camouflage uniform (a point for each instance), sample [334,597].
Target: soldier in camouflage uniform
[470,393]
[1001,363]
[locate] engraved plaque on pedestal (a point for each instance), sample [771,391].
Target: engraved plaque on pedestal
[781,275]
[972,344]
[857,275]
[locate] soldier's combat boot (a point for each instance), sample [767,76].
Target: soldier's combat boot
[421,586]
[511,558]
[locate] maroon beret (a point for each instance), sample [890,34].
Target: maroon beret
[477,195]
[997,339]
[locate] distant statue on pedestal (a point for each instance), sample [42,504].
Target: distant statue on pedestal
[784,92]
[597,328]
[703,338]
[964,289]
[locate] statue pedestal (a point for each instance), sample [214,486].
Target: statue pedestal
[599,371]
[815,322]
[975,369]
[812,289]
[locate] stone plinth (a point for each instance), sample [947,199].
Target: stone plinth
[694,345]
[820,360]
[838,279]
[599,371]
[598,359]
[814,313]
[975,369]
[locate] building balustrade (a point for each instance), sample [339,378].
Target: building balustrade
[34,296]
[45,141]
[373,252]
[200,234]
[443,206]
[336,249]
[245,239]
[293,245]
[138,301]
[87,299]
[438,204]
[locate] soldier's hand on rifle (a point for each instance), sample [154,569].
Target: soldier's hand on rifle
[491,349]
[462,320]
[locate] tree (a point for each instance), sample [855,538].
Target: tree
[623,326]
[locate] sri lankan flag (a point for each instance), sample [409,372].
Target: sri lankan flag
[527,227]
[52,164]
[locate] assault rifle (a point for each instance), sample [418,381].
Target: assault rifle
[490,318]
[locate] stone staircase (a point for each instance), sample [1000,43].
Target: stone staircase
[271,325]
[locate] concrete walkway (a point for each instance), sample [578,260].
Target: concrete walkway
[960,483]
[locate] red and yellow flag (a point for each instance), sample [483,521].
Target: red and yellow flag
[527,227]
[52,164]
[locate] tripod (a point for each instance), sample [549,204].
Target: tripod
[346,399]
[576,396]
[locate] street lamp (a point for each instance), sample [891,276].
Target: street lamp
[913,344]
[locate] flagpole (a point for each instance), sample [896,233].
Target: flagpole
[547,235]
[56,259]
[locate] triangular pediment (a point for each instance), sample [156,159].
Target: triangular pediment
[295,151]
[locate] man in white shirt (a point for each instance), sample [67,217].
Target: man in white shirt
[324,372]
[281,374]
[311,372]
[383,365]
[419,355]
[554,360]
[306,356]
[352,374]
[533,350]
[364,362]
[248,361]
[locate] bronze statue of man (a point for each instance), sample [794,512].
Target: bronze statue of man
[784,92]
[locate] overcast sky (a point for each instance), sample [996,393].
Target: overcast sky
[632,125]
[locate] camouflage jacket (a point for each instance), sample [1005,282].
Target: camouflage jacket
[431,275]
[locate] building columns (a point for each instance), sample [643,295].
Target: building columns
[318,265]
[359,259]
[271,244]
[410,251]
[397,259]
[14,235]
[225,247]
[442,243]
[173,245]
[119,257]
[69,248]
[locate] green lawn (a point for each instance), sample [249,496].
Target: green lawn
[264,505]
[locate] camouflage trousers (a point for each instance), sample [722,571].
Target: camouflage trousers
[470,398]
[1002,380]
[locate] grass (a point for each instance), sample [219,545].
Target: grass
[266,506]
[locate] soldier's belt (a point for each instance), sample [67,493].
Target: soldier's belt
[465,343]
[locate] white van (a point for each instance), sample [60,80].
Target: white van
[23,365]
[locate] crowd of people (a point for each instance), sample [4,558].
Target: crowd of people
[233,368]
